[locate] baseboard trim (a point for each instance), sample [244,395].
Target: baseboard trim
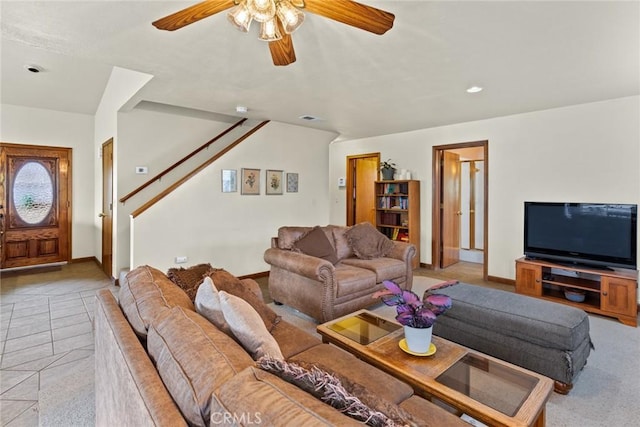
[255,275]
[502,280]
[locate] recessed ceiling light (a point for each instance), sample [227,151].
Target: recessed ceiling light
[309,118]
[33,68]
[474,89]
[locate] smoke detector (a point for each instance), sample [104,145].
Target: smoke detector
[241,109]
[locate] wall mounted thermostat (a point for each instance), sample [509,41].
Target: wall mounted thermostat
[142,170]
[342,182]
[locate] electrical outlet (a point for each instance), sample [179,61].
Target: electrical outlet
[181,259]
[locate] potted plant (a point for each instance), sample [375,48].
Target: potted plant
[416,315]
[388,169]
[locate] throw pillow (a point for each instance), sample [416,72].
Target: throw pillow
[208,305]
[315,243]
[248,327]
[343,250]
[328,388]
[225,281]
[189,279]
[367,242]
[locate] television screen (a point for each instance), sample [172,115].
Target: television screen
[598,234]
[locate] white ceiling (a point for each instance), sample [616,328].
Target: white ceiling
[527,55]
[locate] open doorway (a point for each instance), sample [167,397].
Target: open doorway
[460,207]
[362,173]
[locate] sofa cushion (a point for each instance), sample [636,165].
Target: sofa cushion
[352,280]
[287,236]
[248,327]
[146,293]
[342,363]
[292,340]
[193,358]
[315,243]
[188,279]
[367,242]
[225,281]
[208,305]
[335,391]
[272,402]
[384,268]
[343,250]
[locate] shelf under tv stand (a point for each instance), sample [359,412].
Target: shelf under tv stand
[607,292]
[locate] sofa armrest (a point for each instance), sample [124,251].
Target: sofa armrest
[402,251]
[304,265]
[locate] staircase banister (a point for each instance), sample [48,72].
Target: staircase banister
[191,174]
[181,161]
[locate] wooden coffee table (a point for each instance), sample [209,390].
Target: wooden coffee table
[490,390]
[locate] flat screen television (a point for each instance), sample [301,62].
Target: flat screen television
[590,234]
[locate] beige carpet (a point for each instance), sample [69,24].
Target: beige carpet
[606,393]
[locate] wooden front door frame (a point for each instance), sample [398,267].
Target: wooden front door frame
[351,169]
[54,232]
[436,240]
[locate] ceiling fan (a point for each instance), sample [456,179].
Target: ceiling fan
[279,18]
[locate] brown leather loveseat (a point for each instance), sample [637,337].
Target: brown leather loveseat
[328,278]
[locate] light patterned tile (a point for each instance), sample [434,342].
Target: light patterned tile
[30,311]
[61,322]
[11,410]
[71,331]
[27,355]
[72,343]
[17,344]
[11,378]
[24,390]
[78,309]
[30,320]
[28,418]
[22,331]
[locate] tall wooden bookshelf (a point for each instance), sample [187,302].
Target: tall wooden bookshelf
[398,212]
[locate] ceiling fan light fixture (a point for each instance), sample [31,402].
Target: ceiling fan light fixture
[261,10]
[240,17]
[269,31]
[290,17]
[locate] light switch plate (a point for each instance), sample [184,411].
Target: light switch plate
[142,170]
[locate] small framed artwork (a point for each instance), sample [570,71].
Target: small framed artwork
[292,183]
[274,181]
[250,181]
[229,181]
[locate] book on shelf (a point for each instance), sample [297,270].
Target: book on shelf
[394,236]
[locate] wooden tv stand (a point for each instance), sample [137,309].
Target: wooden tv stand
[609,293]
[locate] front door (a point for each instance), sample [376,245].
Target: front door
[35,187]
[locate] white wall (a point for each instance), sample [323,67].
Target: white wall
[230,230]
[123,84]
[23,125]
[586,153]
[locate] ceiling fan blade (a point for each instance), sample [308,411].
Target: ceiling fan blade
[351,13]
[282,51]
[192,14]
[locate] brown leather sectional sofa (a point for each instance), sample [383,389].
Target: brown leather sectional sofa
[159,363]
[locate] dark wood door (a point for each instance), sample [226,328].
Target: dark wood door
[450,211]
[36,190]
[107,207]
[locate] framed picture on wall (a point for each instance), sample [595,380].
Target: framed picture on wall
[292,183]
[274,181]
[229,181]
[250,181]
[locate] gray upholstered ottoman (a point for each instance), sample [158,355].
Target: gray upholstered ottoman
[546,337]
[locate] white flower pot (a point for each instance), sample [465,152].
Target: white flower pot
[418,339]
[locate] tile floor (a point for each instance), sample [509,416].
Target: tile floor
[46,329]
